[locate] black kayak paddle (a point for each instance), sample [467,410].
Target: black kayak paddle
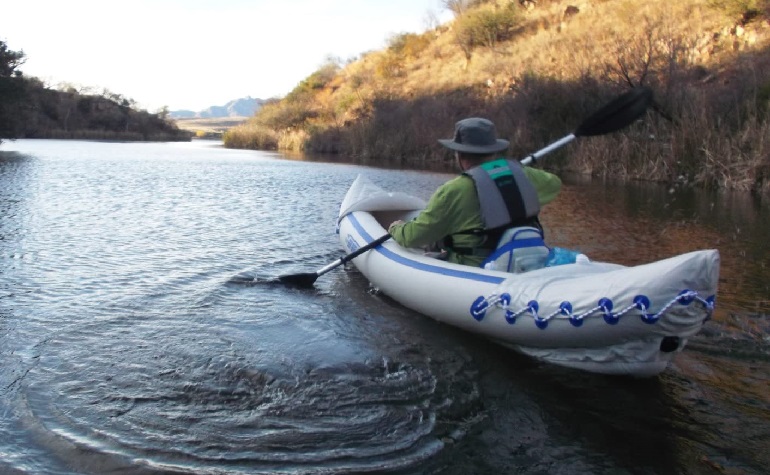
[308,278]
[615,115]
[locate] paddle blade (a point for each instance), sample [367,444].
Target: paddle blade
[306,279]
[620,112]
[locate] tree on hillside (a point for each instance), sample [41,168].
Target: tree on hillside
[12,91]
[10,61]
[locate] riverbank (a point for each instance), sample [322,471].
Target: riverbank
[110,135]
[537,74]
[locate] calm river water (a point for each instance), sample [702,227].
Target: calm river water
[140,332]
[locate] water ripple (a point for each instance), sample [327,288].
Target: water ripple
[164,402]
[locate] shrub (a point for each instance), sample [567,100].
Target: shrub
[250,136]
[743,9]
[389,65]
[408,45]
[284,115]
[485,27]
[317,80]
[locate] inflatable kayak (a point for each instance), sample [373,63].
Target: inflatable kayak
[594,316]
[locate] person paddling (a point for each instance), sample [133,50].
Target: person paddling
[468,214]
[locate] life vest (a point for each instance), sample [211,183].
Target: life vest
[509,209]
[506,196]
[507,199]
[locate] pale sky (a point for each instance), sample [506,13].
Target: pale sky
[192,54]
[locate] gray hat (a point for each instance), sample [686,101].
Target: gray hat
[475,135]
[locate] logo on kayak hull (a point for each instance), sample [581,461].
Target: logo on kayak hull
[351,243]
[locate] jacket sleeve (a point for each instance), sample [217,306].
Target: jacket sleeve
[547,184]
[432,224]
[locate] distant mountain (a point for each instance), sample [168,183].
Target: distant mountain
[244,107]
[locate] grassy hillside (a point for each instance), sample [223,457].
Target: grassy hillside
[537,68]
[28,109]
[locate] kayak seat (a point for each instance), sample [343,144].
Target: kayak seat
[520,249]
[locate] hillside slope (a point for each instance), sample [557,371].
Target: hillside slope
[538,68]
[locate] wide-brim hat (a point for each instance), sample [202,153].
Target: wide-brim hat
[475,135]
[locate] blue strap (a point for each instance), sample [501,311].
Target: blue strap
[519,243]
[511,245]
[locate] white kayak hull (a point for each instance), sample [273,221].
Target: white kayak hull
[599,317]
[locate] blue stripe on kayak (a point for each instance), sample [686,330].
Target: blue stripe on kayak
[420,265]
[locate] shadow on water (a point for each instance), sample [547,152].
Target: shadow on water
[535,418]
[544,419]
[706,414]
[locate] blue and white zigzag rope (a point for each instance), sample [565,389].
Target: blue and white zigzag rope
[686,297]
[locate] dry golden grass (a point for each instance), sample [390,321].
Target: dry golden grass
[570,47]
[708,67]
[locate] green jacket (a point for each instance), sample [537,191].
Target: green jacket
[454,207]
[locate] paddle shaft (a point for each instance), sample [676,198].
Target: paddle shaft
[352,255]
[550,148]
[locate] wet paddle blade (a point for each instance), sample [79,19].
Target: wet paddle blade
[309,278]
[306,279]
[617,114]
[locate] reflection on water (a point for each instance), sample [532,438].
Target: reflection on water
[141,330]
[634,224]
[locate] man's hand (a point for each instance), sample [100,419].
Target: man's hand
[394,223]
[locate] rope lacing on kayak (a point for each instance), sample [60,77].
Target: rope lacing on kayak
[603,308]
